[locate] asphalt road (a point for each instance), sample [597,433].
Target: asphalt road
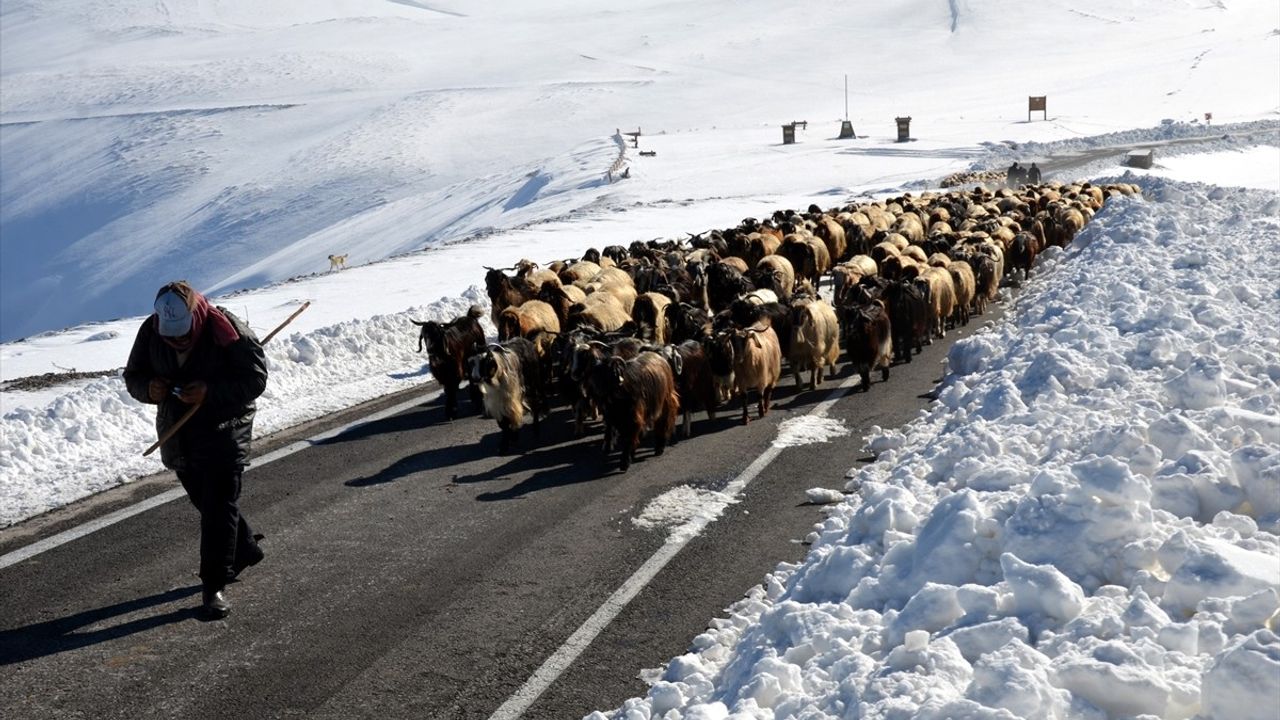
[413,573]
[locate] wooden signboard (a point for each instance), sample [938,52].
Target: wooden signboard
[1037,103]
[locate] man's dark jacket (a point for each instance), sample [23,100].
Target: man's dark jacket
[219,434]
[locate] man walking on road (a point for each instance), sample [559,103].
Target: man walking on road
[190,354]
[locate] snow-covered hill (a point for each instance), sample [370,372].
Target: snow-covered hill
[238,143]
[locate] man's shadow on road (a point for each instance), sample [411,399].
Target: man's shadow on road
[56,636]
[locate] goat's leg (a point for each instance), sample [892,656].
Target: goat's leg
[580,416]
[504,437]
[629,440]
[766,397]
[746,418]
[664,430]
[535,407]
[450,401]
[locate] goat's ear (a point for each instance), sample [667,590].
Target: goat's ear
[755,340]
[616,364]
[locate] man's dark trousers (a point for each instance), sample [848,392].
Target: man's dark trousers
[224,534]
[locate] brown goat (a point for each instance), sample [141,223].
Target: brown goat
[527,320]
[757,364]
[638,395]
[815,340]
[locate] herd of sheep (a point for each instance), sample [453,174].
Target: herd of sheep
[636,335]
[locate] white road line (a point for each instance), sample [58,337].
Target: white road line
[563,657]
[79,531]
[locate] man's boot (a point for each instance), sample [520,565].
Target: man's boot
[215,604]
[244,560]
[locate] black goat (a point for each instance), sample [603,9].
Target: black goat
[909,317]
[448,347]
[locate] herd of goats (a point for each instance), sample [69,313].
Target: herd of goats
[636,335]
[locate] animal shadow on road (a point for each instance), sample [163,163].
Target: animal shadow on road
[426,415]
[55,636]
[551,459]
[552,467]
[531,452]
[793,396]
[441,457]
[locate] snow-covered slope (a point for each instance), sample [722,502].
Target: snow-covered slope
[239,143]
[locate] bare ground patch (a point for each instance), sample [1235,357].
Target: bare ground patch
[48,380]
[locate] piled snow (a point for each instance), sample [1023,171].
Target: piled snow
[823,496]
[1084,524]
[808,429]
[679,508]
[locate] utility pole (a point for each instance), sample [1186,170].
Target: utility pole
[846,127]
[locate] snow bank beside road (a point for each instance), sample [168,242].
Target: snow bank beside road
[1084,525]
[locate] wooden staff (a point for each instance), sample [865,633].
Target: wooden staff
[287,320]
[173,430]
